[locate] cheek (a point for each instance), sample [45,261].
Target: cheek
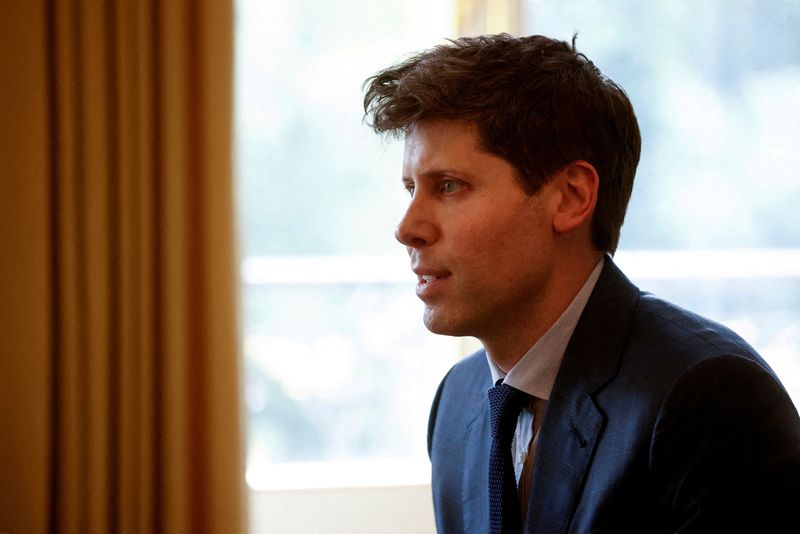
[519,244]
[465,229]
[499,241]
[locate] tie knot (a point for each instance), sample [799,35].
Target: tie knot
[505,403]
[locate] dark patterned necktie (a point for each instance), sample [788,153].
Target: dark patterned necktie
[505,403]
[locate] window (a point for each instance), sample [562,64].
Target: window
[340,371]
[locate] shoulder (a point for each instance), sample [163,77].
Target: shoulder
[466,382]
[690,364]
[660,331]
[725,433]
[726,437]
[461,394]
[471,372]
[680,340]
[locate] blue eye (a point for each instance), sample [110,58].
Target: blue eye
[449,186]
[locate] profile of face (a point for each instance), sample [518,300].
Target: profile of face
[480,245]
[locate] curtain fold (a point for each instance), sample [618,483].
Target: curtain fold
[127,281]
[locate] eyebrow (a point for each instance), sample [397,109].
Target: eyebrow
[437,173]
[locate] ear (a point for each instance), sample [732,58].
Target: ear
[578,184]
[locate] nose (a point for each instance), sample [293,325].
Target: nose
[417,228]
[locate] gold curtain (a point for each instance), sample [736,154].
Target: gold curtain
[119,370]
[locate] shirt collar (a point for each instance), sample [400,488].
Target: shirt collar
[535,373]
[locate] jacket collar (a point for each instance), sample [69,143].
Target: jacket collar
[573,421]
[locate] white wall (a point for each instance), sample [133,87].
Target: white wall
[389,510]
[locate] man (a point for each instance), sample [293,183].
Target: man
[593,406]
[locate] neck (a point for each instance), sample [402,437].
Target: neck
[507,344]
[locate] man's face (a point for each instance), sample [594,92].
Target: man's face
[480,246]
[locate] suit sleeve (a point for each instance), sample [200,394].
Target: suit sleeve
[725,451]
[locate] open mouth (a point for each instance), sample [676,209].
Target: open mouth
[425,281]
[430,278]
[431,285]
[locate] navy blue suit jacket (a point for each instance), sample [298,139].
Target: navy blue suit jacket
[659,421]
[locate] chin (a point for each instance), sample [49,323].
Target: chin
[439,323]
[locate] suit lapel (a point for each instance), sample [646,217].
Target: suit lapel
[573,422]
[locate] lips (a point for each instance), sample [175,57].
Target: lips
[427,275]
[430,282]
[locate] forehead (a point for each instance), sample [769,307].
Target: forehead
[434,149]
[442,142]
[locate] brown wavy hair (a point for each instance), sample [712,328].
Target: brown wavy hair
[536,101]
